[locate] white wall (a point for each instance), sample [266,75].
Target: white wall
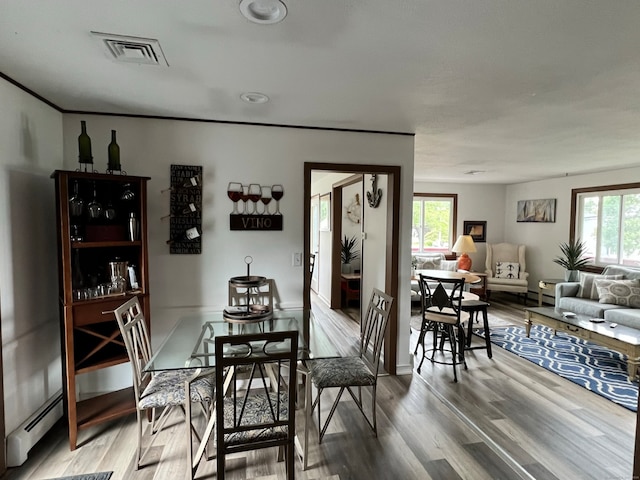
[30,150]
[543,239]
[242,153]
[349,228]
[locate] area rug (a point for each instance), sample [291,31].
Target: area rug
[87,476]
[591,366]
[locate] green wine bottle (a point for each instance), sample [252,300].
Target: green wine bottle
[84,146]
[114,154]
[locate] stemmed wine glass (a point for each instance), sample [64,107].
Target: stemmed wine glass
[245,198]
[76,204]
[254,196]
[277,192]
[234,191]
[94,208]
[265,198]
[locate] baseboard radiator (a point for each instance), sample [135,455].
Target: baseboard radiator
[23,438]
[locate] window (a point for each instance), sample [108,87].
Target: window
[607,219]
[433,228]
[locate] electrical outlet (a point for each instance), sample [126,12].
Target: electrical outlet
[296,259]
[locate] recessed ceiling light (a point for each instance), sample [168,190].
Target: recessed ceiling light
[254,97]
[263,11]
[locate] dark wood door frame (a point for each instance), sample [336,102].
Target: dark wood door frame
[392,250]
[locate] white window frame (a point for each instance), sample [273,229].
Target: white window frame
[578,197]
[453,219]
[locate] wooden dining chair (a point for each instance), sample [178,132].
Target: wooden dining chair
[347,373]
[257,409]
[443,316]
[162,390]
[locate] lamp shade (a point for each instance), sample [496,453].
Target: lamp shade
[464,244]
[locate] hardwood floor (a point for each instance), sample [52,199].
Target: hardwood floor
[506,418]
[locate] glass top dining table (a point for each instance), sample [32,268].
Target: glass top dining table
[191,343]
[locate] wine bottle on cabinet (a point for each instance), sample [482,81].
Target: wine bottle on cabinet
[84,146]
[114,154]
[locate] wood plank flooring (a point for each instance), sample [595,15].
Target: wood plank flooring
[506,418]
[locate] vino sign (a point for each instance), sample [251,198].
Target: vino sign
[255,207]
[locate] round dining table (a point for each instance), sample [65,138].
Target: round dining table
[448,275]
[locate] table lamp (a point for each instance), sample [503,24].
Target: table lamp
[464,244]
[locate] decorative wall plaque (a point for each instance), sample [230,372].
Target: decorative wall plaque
[252,206]
[185,229]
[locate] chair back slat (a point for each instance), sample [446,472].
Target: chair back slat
[373,327]
[441,296]
[258,408]
[133,328]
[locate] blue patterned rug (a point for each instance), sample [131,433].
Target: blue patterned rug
[591,366]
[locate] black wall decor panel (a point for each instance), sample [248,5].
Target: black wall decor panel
[185,230]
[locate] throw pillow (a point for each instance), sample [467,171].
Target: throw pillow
[428,263]
[619,292]
[588,288]
[507,270]
[449,265]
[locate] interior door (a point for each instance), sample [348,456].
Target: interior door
[315,239]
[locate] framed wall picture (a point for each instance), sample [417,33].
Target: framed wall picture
[325,212]
[543,210]
[477,230]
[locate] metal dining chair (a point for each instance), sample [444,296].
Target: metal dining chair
[347,373]
[162,390]
[255,396]
[442,315]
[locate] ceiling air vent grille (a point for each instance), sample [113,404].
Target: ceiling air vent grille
[143,51]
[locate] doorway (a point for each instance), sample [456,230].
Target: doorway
[389,273]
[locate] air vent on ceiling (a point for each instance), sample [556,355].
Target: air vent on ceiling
[145,51]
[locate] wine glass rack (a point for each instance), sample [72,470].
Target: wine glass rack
[185,217]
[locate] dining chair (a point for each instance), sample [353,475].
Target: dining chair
[360,370]
[162,390]
[255,396]
[442,315]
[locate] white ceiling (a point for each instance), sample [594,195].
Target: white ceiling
[521,89]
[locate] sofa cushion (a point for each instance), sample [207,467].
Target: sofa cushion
[429,261]
[630,273]
[507,270]
[585,306]
[619,292]
[588,287]
[629,317]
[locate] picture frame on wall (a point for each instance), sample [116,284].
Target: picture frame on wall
[325,212]
[537,211]
[477,230]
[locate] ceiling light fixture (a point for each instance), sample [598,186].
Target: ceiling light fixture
[474,172]
[254,97]
[265,12]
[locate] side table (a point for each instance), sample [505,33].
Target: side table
[547,284]
[479,288]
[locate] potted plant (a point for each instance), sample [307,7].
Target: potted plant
[573,259]
[349,252]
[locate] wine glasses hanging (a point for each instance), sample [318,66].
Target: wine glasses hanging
[234,191]
[277,192]
[265,198]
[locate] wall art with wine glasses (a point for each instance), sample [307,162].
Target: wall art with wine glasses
[255,206]
[185,214]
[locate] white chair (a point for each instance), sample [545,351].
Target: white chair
[506,269]
[160,390]
[261,295]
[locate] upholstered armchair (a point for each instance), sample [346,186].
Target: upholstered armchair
[506,269]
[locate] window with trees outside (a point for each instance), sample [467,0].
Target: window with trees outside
[607,219]
[433,227]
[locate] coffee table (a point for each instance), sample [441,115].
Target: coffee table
[622,339]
